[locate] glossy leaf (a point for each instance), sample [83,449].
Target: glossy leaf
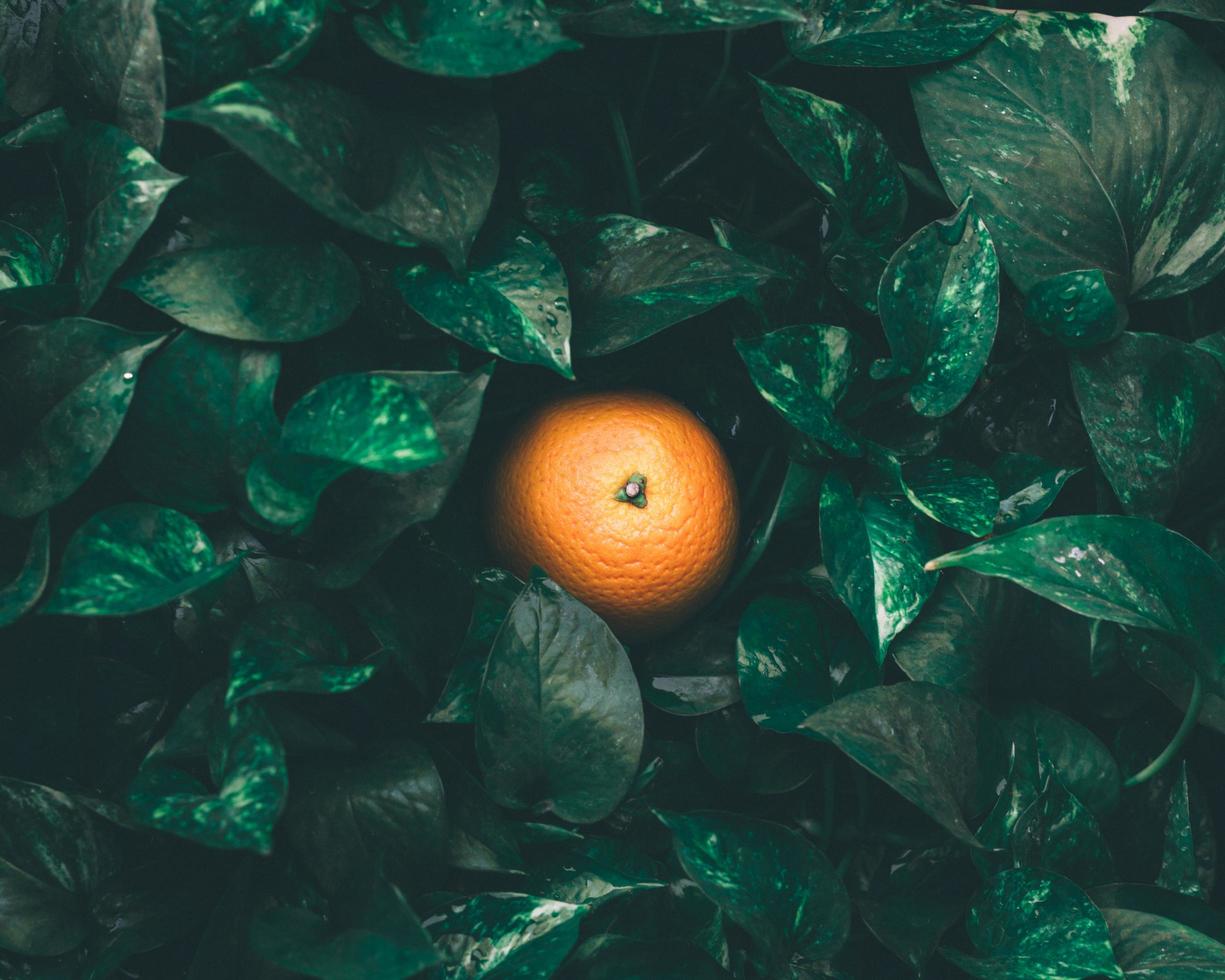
[694,671]
[382,808]
[132,557]
[202,411]
[1064,188]
[803,372]
[627,18]
[888,33]
[953,492]
[252,786]
[1056,832]
[1211,10]
[1077,308]
[767,879]
[289,646]
[372,421]
[875,548]
[121,186]
[64,418]
[513,302]
[1188,856]
[377,505]
[208,42]
[400,178]
[632,279]
[1148,945]
[19,594]
[504,935]
[1046,739]
[1122,569]
[939,301]
[1034,926]
[846,157]
[936,748]
[593,872]
[1028,486]
[479,836]
[1152,408]
[793,660]
[457,39]
[109,59]
[559,716]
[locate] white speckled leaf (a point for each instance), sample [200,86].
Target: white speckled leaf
[1088,142]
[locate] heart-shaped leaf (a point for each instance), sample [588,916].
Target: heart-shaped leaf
[132,557]
[1147,945]
[64,417]
[632,279]
[513,302]
[1065,188]
[1077,308]
[955,493]
[1028,486]
[503,935]
[559,716]
[1058,833]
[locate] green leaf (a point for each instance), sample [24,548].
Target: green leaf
[383,807]
[632,18]
[33,244]
[480,837]
[693,672]
[460,40]
[1188,855]
[120,186]
[953,641]
[1122,569]
[1211,10]
[846,157]
[1049,124]
[1056,832]
[130,558]
[1045,739]
[374,935]
[375,421]
[1028,486]
[513,302]
[938,749]
[955,493]
[803,372]
[767,879]
[19,594]
[407,179]
[376,506]
[54,855]
[504,936]
[874,548]
[747,759]
[208,42]
[592,872]
[1151,946]
[252,786]
[1077,308]
[109,61]
[290,646]
[793,660]
[202,411]
[888,33]
[939,301]
[1153,411]
[559,717]
[64,416]
[1027,925]
[632,279]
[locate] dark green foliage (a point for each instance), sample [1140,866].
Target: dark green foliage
[278,278]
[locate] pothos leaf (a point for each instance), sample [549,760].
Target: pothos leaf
[803,371]
[939,301]
[875,548]
[955,493]
[252,787]
[888,33]
[20,594]
[132,557]
[462,40]
[1188,855]
[1028,485]
[513,302]
[628,18]
[1077,308]
[1147,945]
[65,415]
[559,715]
[1049,125]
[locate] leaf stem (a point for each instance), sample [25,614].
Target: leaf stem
[628,169]
[723,66]
[1176,743]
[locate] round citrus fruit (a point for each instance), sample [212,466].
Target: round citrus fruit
[626,499]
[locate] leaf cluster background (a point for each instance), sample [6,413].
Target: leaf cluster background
[277,278]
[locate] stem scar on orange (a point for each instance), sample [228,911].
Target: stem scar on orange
[626,499]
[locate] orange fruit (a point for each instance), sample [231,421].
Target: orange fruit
[626,499]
